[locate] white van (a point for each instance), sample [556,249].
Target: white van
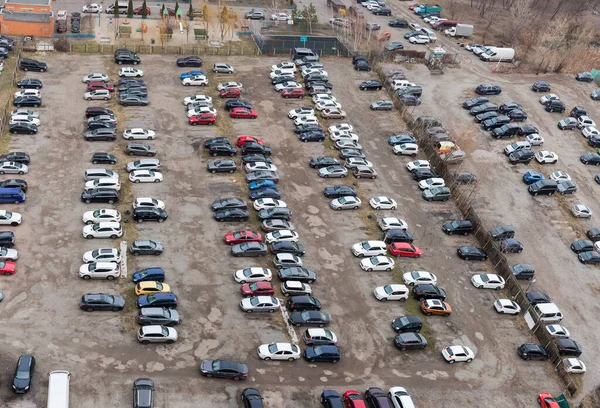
[58,389]
[429,33]
[498,54]
[547,313]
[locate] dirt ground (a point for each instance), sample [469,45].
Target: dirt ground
[41,314]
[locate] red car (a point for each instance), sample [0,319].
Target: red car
[412,6]
[293,93]
[547,401]
[239,237]
[100,85]
[404,249]
[138,11]
[246,139]
[203,119]
[257,289]
[7,267]
[243,113]
[230,93]
[353,399]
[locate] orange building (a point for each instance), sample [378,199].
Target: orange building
[27,17]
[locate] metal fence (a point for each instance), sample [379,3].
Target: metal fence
[284,45]
[187,49]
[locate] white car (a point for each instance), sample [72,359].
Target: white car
[507,306]
[281,17]
[256,166]
[28,92]
[130,72]
[283,65]
[589,131]
[333,171]
[534,139]
[8,254]
[488,281]
[279,351]
[284,260]
[343,135]
[97,94]
[391,292]
[198,80]
[431,183]
[96,77]
[340,126]
[408,149]
[145,176]
[99,270]
[281,235]
[549,97]
[196,98]
[108,229]
[253,275]
[323,97]
[104,183]
[307,71]
[545,156]
[418,164]
[513,147]
[369,248]
[377,263]
[383,203]
[306,120]
[345,203]
[282,72]
[419,39]
[10,218]
[348,144]
[560,176]
[102,215]
[199,110]
[260,304]
[92,8]
[8,167]
[574,366]
[419,277]
[392,223]
[581,211]
[229,85]
[25,112]
[352,162]
[327,105]
[301,111]
[30,120]
[556,330]
[139,134]
[287,85]
[400,84]
[156,334]
[453,354]
[263,203]
[102,255]
[584,121]
[400,398]
[148,202]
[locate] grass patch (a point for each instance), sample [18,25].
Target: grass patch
[6,95]
[413,308]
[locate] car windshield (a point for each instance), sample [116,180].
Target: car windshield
[272,348]
[374,260]
[22,375]
[165,331]
[388,289]
[254,301]
[484,277]
[151,298]
[366,246]
[247,272]
[96,227]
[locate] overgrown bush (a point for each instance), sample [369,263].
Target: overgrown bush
[62,45]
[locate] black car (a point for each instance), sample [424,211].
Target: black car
[297,273]
[125,86]
[28,64]
[287,247]
[590,158]
[14,183]
[216,141]
[129,93]
[264,192]
[502,232]
[464,177]
[331,399]
[423,174]
[142,214]
[97,111]
[127,58]
[582,245]
[522,271]
[29,83]
[589,258]
[506,131]
[253,147]
[405,324]
[7,239]
[397,235]
[251,398]
[541,86]
[228,203]
[495,122]
[426,291]
[306,128]
[222,150]
[23,374]
[232,214]
[28,101]
[555,106]
[463,227]
[401,139]
[237,103]
[469,253]
[383,11]
[594,140]
[362,65]
[485,89]
[256,157]
[370,85]
[410,340]
[398,22]
[100,195]
[483,108]
[577,112]
[104,158]
[221,166]
[526,130]
[543,187]
[593,233]
[532,351]
[517,115]
[107,133]
[584,77]
[409,100]
[91,302]
[75,26]
[300,303]
[249,249]
[537,297]
[568,347]
[224,369]
[471,103]
[143,393]
[100,124]
[23,128]
[282,78]
[157,315]
[309,318]
[313,136]
[310,84]
[521,156]
[324,161]
[339,191]
[124,81]
[412,34]
[189,62]
[509,106]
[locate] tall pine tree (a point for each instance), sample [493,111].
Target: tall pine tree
[130,9]
[144,10]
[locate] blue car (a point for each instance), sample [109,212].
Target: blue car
[314,136]
[532,176]
[264,193]
[329,354]
[261,184]
[191,74]
[148,274]
[159,299]
[331,399]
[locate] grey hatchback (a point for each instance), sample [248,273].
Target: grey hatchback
[146,247]
[143,393]
[157,315]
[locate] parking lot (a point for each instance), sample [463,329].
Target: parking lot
[101,350]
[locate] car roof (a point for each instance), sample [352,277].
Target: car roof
[152,329]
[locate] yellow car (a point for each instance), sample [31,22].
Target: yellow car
[149,287]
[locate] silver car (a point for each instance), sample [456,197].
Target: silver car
[285,260]
[346,203]
[277,224]
[223,68]
[260,304]
[143,164]
[333,171]
[25,112]
[352,162]
[8,167]
[382,105]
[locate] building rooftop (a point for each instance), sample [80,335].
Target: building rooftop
[28,2]
[27,17]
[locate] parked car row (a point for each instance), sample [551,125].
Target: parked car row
[12,191]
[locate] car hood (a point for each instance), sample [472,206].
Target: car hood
[380,293]
[19,384]
[206,366]
[142,301]
[310,352]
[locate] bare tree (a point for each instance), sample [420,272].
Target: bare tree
[521,16]
[452,7]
